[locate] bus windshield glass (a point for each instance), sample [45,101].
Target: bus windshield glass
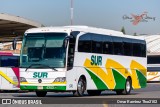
[43,49]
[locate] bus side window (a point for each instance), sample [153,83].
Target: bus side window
[107,45]
[155,59]
[136,48]
[143,49]
[127,45]
[84,43]
[118,45]
[96,43]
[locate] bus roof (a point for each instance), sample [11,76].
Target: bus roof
[68,29]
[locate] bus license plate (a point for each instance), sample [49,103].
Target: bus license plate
[40,87]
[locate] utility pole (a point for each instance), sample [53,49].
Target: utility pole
[71,12]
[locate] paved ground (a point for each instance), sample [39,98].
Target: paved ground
[151,91]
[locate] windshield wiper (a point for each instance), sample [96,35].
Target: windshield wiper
[41,65]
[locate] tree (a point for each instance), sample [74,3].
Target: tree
[135,34]
[123,30]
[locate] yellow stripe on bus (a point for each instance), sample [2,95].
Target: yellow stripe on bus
[134,66]
[58,83]
[24,83]
[108,78]
[7,78]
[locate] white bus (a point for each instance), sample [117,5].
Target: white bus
[9,71]
[153,68]
[81,58]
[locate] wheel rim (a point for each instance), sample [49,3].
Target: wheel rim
[128,86]
[80,87]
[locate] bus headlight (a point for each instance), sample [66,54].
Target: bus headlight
[22,79]
[60,79]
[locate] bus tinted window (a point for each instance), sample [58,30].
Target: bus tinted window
[107,45]
[118,45]
[143,49]
[9,61]
[153,59]
[96,43]
[84,44]
[136,48]
[139,48]
[127,45]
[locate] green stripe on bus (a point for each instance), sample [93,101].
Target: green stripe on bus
[98,82]
[52,88]
[28,87]
[142,79]
[58,88]
[119,79]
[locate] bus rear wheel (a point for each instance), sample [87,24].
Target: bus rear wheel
[94,92]
[41,93]
[81,87]
[128,87]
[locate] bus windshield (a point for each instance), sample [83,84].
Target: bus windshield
[43,49]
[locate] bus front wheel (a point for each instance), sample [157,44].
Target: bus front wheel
[81,87]
[41,93]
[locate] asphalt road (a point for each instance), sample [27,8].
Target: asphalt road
[151,91]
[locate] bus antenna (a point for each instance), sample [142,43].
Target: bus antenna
[71,12]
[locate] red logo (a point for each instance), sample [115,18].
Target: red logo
[136,19]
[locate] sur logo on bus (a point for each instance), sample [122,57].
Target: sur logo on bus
[96,60]
[40,75]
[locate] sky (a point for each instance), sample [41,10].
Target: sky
[106,14]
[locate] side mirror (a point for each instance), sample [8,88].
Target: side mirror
[66,40]
[14,44]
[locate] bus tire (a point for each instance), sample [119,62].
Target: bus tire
[94,92]
[128,87]
[81,87]
[41,93]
